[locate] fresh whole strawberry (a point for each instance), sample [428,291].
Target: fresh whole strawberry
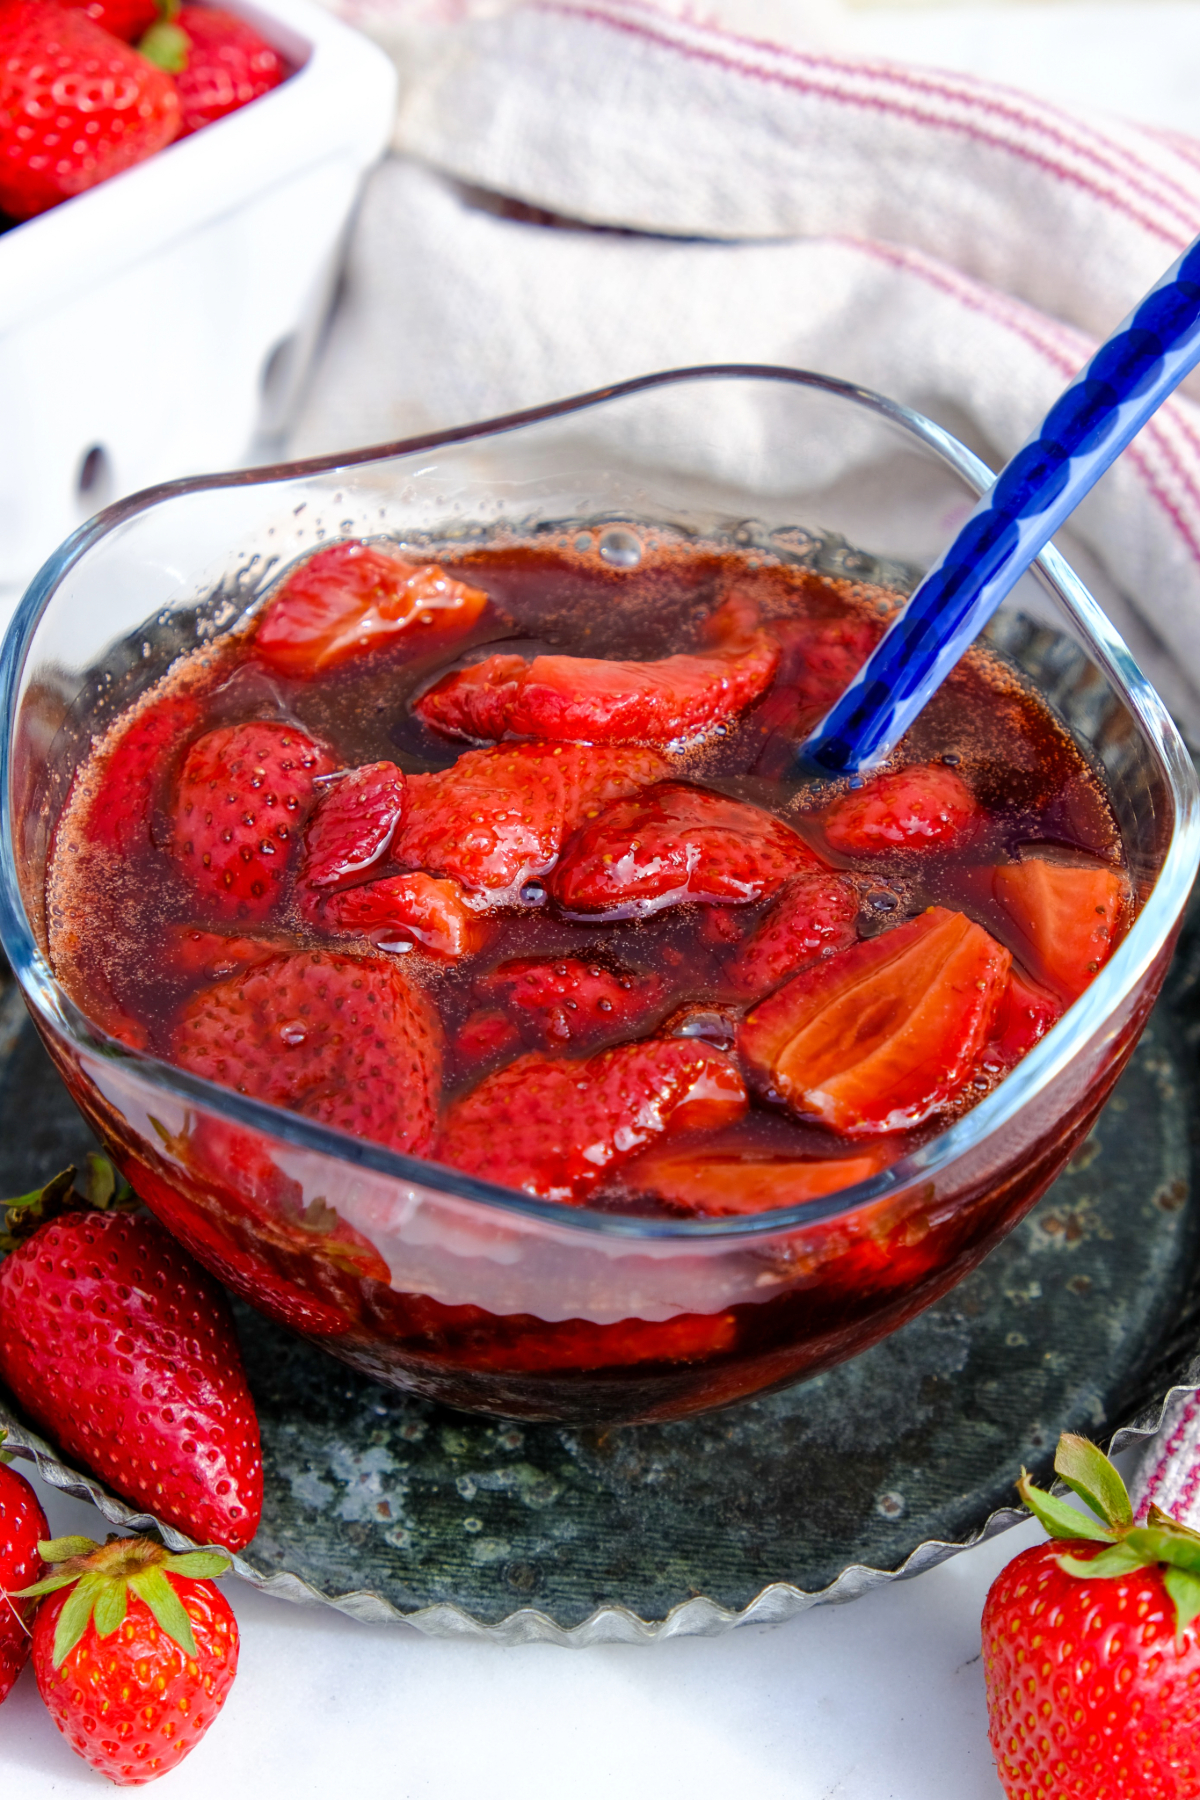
[556,1128]
[76,106]
[241,800]
[122,1350]
[1091,1650]
[219,62]
[134,1651]
[125,19]
[344,1039]
[22,1528]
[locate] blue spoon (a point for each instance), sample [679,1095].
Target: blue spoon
[1085,430]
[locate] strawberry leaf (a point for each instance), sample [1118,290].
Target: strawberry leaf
[198,1565]
[53,1550]
[73,1619]
[1122,1559]
[1184,1588]
[1166,1545]
[24,1214]
[152,1586]
[167,46]
[1059,1519]
[111,1605]
[48,1585]
[1088,1473]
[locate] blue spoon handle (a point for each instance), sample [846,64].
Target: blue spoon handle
[1085,430]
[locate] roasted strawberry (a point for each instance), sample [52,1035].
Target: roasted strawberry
[22,1528]
[579,697]
[239,806]
[814,916]
[218,60]
[354,822]
[673,844]
[125,19]
[1090,1646]
[354,597]
[343,1039]
[557,1128]
[717,1182]
[498,818]
[1067,920]
[1024,1016]
[569,1001]
[884,1035]
[924,807]
[76,106]
[410,909]
[123,1351]
[134,1650]
[133,768]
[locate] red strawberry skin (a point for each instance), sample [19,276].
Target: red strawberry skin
[132,777]
[240,803]
[925,807]
[125,19]
[354,822]
[1090,1690]
[499,817]
[814,916]
[122,1349]
[557,1128]
[134,1704]
[576,697]
[427,910]
[228,65]
[22,1528]
[572,1002]
[343,1039]
[673,844]
[76,106]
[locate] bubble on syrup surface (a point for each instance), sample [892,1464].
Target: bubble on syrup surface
[621,549]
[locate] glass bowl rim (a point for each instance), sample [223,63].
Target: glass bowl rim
[1079,1025]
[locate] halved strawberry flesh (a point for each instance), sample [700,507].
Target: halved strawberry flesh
[240,803]
[556,1129]
[570,1001]
[1067,920]
[884,1035]
[578,697]
[1023,1017]
[718,1182]
[134,773]
[343,1039]
[354,821]
[498,818]
[673,844]
[925,807]
[416,909]
[813,916]
[351,598]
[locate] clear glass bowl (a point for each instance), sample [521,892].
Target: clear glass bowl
[455,1288]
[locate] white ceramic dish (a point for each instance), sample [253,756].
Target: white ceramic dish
[159,324]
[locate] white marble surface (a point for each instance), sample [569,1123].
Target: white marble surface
[878,1700]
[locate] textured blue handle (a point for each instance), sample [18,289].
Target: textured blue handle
[1085,430]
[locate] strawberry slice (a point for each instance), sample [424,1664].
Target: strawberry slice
[239,805]
[925,807]
[884,1035]
[133,772]
[353,597]
[1023,1017]
[718,1182]
[343,1039]
[818,660]
[673,844]
[498,818]
[209,955]
[573,697]
[485,1037]
[814,916]
[413,909]
[569,1001]
[556,1129]
[354,822]
[1067,920]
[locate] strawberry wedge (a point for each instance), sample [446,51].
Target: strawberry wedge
[498,818]
[813,916]
[1066,920]
[569,1001]
[673,844]
[354,822]
[354,597]
[579,697]
[924,807]
[414,909]
[556,1129]
[884,1035]
[717,1183]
